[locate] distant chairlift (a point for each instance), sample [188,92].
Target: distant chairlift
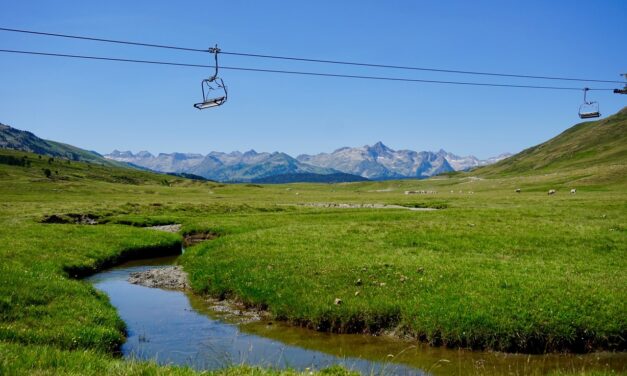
[588,110]
[623,90]
[211,85]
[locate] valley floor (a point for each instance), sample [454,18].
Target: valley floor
[491,269]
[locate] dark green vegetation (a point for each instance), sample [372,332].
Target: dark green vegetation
[338,177]
[14,161]
[188,176]
[493,269]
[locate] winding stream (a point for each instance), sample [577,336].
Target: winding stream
[173,327]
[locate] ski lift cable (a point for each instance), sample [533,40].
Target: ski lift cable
[322,61]
[317,74]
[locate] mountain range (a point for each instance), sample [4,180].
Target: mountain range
[376,162]
[598,147]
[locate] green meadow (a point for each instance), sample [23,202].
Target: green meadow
[489,269]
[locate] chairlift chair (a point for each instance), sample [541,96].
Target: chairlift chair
[211,84]
[623,90]
[588,110]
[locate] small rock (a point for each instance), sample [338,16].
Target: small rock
[420,270]
[382,284]
[358,282]
[337,301]
[403,278]
[357,293]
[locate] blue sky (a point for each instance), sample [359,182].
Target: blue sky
[103,106]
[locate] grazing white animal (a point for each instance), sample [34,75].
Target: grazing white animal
[573,191]
[517,190]
[552,191]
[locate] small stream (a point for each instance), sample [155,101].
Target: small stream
[173,327]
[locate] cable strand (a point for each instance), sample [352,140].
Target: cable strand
[321,61]
[320,74]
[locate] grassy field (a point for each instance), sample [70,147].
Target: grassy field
[491,269]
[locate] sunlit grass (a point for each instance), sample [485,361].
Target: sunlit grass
[492,269]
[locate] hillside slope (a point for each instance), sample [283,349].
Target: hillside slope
[17,165]
[15,139]
[589,144]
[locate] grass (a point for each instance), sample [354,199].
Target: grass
[493,269]
[49,360]
[525,278]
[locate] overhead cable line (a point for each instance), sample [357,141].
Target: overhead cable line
[105,40]
[322,61]
[319,74]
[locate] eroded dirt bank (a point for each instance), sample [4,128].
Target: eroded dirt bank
[175,278]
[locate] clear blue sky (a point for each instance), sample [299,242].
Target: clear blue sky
[103,106]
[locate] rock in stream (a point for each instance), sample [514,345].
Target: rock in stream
[172,277]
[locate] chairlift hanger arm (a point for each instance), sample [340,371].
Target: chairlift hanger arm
[215,51]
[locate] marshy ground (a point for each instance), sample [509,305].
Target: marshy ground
[492,269]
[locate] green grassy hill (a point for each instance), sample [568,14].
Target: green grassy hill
[597,144]
[63,172]
[15,139]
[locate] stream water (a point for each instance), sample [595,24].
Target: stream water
[173,327]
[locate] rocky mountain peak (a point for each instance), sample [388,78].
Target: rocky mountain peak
[380,148]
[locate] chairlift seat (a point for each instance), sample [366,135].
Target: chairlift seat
[590,115]
[215,102]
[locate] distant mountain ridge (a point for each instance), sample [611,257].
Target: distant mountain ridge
[232,167]
[376,162]
[469,162]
